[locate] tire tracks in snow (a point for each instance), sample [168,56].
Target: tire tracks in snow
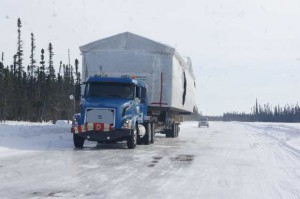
[282,143]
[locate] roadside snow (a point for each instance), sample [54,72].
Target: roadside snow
[227,160]
[19,137]
[22,137]
[286,133]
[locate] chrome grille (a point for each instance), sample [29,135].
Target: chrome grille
[106,116]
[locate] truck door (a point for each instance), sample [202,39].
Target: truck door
[141,106]
[143,101]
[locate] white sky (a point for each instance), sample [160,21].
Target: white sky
[241,49]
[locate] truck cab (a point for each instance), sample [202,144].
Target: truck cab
[113,109]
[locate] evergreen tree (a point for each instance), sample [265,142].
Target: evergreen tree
[19,54]
[15,65]
[77,85]
[51,71]
[41,93]
[42,63]
[265,113]
[32,60]
[77,73]
[51,101]
[1,90]
[36,94]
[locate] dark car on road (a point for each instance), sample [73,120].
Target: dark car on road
[203,122]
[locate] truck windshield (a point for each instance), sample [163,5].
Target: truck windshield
[108,89]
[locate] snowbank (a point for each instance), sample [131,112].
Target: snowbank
[19,137]
[286,133]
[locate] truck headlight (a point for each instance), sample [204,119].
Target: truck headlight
[126,124]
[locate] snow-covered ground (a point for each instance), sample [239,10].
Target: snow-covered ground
[227,160]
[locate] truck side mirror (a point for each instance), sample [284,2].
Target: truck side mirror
[82,89]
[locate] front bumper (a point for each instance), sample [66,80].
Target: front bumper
[101,132]
[115,135]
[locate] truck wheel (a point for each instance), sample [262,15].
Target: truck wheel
[147,137]
[176,130]
[168,133]
[78,141]
[173,131]
[132,139]
[152,133]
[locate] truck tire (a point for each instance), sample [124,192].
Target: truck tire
[78,141]
[147,137]
[168,133]
[176,130]
[132,139]
[152,133]
[173,131]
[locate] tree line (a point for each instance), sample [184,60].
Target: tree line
[266,113]
[37,92]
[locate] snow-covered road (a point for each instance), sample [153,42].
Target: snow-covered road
[227,160]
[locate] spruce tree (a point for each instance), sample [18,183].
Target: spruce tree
[14,68]
[52,98]
[42,63]
[51,71]
[19,54]
[77,83]
[32,60]
[1,91]
[41,93]
[77,73]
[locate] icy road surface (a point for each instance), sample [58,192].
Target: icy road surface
[227,160]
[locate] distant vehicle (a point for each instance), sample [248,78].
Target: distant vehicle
[203,122]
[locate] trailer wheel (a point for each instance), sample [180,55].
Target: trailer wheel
[176,130]
[168,133]
[78,141]
[132,139]
[147,137]
[152,133]
[173,131]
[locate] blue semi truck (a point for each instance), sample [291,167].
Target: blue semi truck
[113,109]
[133,88]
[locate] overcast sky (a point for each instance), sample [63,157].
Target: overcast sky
[241,49]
